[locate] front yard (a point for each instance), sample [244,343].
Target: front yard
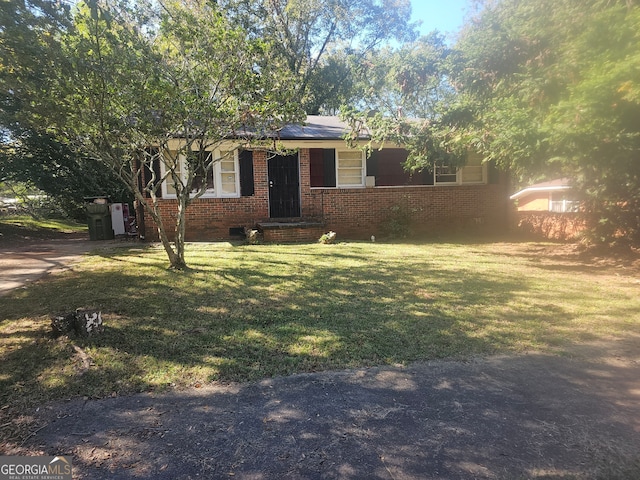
[247,312]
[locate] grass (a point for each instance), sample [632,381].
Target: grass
[248,312]
[15,227]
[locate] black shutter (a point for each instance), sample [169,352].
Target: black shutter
[156,169]
[245,159]
[493,173]
[329,163]
[427,176]
[372,164]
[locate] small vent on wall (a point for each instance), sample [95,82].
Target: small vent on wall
[236,232]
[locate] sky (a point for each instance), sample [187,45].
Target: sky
[444,15]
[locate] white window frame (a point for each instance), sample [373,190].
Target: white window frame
[459,177]
[216,192]
[563,206]
[456,174]
[362,169]
[477,164]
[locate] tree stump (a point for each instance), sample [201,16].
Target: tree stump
[88,323]
[63,324]
[82,322]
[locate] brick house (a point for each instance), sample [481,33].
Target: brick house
[326,186]
[552,196]
[549,210]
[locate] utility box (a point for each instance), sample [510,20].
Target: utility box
[117,218]
[99,219]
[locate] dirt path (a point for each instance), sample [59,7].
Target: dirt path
[532,416]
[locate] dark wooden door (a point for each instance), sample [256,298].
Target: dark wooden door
[284,187]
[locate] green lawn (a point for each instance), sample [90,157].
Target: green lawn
[246,312]
[17,227]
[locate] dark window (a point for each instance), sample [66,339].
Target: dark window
[387,165]
[202,177]
[427,176]
[389,170]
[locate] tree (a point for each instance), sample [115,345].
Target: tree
[168,87]
[408,99]
[556,88]
[29,52]
[323,42]
[41,161]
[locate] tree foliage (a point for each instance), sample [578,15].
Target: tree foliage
[29,53]
[182,80]
[29,154]
[40,160]
[323,42]
[408,99]
[556,89]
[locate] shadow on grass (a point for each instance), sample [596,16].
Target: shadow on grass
[254,312]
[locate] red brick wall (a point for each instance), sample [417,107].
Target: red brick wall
[352,213]
[361,213]
[211,218]
[280,235]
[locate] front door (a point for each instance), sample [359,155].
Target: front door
[284,186]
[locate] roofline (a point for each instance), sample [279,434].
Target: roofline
[528,190]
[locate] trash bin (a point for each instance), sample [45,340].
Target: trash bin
[99,219]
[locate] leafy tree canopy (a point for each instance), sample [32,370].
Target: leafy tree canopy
[556,90]
[543,88]
[39,160]
[408,99]
[30,56]
[323,41]
[174,75]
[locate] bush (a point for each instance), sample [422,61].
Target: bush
[397,223]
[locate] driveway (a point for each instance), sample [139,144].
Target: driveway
[21,263]
[531,416]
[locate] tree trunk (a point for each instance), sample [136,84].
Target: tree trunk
[176,257]
[181,229]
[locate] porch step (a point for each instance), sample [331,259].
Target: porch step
[291,232]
